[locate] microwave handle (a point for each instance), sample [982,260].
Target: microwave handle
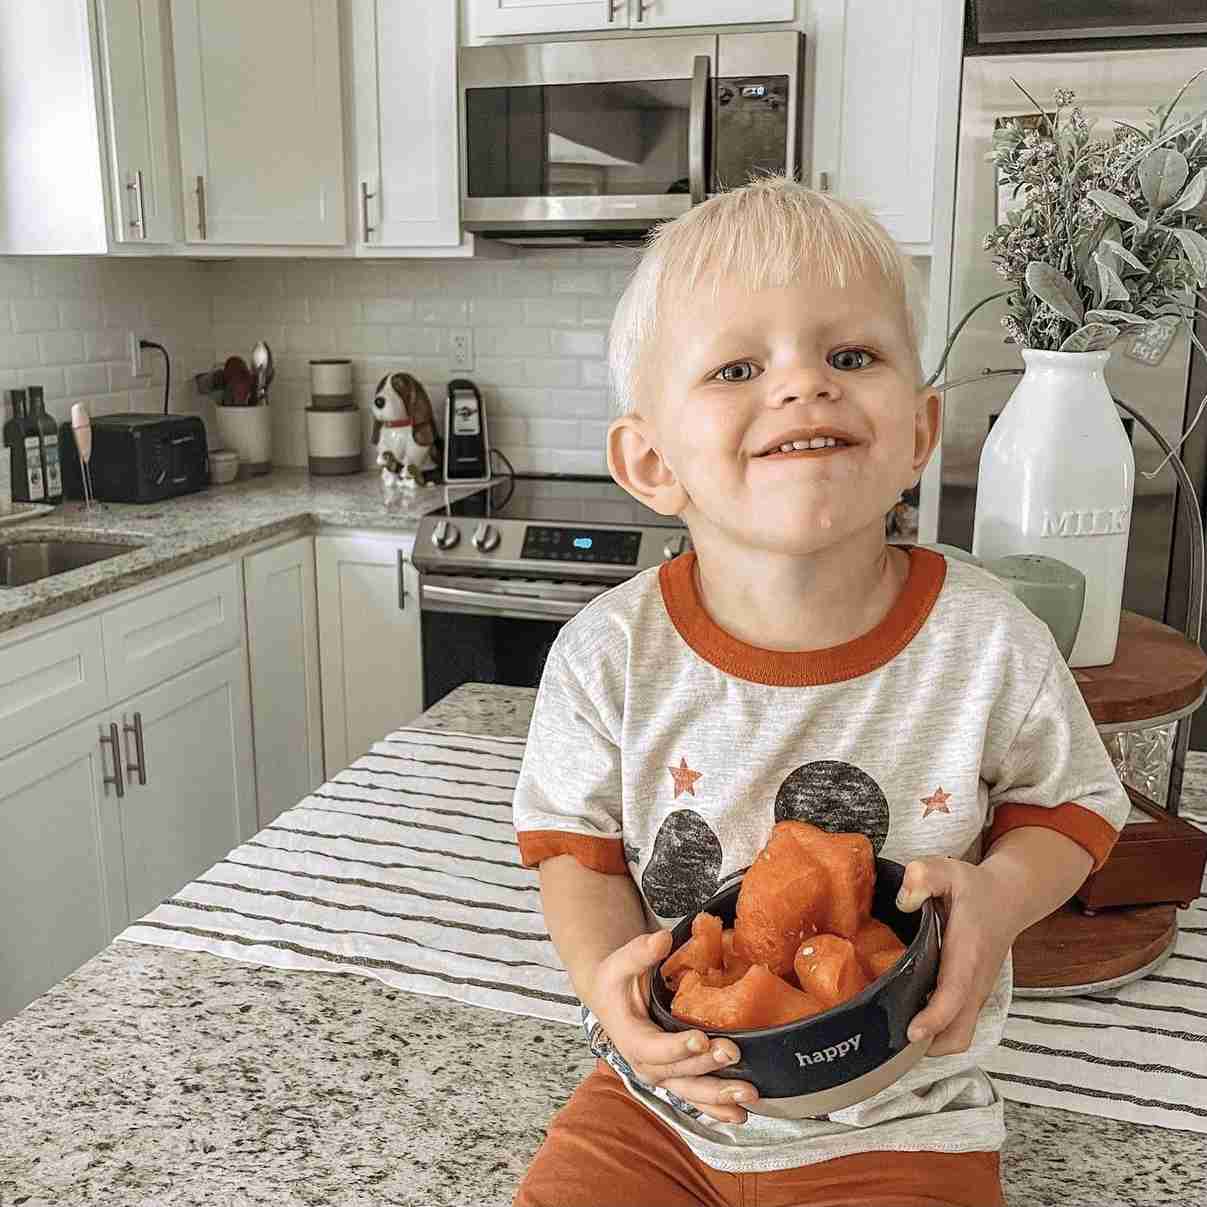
[697,116]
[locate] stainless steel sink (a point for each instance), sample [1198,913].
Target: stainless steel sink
[27,561]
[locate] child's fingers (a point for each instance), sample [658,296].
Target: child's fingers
[929,877]
[713,1093]
[635,957]
[689,1053]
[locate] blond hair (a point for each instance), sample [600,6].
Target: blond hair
[768,234]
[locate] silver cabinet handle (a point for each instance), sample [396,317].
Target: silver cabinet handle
[138,223]
[492,603]
[696,129]
[612,11]
[364,210]
[139,766]
[402,582]
[641,10]
[201,206]
[115,744]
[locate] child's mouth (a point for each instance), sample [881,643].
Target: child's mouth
[818,447]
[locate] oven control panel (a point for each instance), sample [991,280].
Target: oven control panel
[558,543]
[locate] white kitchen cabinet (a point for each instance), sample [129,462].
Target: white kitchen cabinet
[283,665]
[370,642]
[661,14]
[404,78]
[260,117]
[136,86]
[494,18]
[86,107]
[190,741]
[876,122]
[62,882]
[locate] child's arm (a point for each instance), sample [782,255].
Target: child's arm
[1027,874]
[598,927]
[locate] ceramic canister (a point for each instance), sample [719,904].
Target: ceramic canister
[333,440]
[331,384]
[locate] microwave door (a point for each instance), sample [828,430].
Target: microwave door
[602,134]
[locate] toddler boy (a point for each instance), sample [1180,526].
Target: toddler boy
[793,666]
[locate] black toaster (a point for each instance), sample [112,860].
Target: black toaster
[137,458]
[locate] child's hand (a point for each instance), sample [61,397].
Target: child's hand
[977,937]
[680,1061]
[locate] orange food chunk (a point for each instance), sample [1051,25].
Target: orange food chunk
[877,947]
[701,952]
[828,969]
[850,870]
[734,964]
[805,880]
[759,999]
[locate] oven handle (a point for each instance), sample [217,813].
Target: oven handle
[499,603]
[696,129]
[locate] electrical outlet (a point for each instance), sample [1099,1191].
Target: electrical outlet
[138,367]
[461,348]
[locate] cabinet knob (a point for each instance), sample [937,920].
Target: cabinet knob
[446,535]
[485,538]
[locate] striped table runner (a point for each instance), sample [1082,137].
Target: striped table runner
[405,868]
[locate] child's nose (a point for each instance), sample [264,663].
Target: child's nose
[804,383]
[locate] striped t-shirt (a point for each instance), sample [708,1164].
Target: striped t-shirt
[663,748]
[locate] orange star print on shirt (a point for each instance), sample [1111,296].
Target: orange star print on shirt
[685,777]
[936,803]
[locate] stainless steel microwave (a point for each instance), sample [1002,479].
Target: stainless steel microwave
[577,142]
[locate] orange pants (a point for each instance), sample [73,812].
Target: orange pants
[604,1149]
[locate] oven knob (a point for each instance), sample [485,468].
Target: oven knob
[673,548]
[485,538]
[446,535]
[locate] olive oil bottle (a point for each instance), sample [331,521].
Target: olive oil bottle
[48,436]
[25,447]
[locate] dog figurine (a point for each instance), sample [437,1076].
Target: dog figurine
[404,432]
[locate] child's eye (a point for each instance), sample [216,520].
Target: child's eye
[847,359]
[740,370]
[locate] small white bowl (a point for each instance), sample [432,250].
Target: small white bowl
[224,466]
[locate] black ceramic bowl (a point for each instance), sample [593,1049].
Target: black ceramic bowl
[844,1055]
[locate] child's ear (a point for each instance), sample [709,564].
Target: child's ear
[928,427]
[636,463]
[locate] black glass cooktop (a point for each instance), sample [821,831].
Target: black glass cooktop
[563,500]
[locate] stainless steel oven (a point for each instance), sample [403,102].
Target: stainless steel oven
[503,569]
[597,140]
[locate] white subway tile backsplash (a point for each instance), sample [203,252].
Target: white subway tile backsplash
[36,314]
[18,350]
[512,341]
[577,343]
[580,281]
[61,347]
[389,310]
[451,312]
[80,380]
[551,372]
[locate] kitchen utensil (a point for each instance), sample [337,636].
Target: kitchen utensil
[81,433]
[261,364]
[844,1055]
[224,466]
[239,381]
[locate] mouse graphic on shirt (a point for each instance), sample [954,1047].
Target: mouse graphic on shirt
[684,868]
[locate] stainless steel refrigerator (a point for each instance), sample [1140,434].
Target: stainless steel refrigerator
[1162,382]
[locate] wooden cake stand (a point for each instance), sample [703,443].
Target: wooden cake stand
[1094,942]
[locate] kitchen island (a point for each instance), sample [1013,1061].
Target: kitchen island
[157,1076]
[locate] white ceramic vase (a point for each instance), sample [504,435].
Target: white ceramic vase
[1056,478]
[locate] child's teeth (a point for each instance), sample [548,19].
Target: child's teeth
[787,448]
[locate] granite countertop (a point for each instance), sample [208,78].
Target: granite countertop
[175,533]
[156,1076]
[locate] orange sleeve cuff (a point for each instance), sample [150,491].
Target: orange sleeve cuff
[599,854]
[1085,827]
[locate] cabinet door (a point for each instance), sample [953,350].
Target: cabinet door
[258,92]
[492,18]
[199,798]
[133,54]
[405,88]
[890,96]
[283,665]
[62,889]
[656,14]
[52,197]
[369,641]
